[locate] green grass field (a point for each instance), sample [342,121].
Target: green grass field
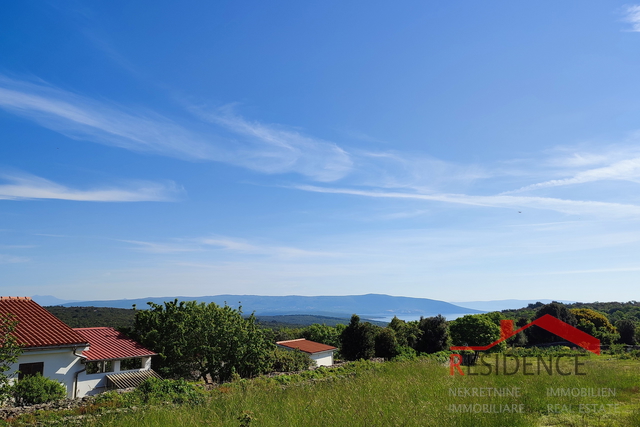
[415,393]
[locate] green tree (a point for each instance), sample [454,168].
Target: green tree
[537,335]
[434,335]
[208,340]
[357,340]
[519,339]
[475,330]
[169,331]
[385,344]
[323,334]
[9,352]
[407,333]
[596,324]
[627,330]
[231,344]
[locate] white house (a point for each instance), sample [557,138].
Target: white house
[82,360]
[49,347]
[320,353]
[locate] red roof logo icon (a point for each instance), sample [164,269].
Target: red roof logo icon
[551,324]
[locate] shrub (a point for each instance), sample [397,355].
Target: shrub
[153,390]
[405,353]
[35,389]
[290,360]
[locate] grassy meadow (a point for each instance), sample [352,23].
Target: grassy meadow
[411,393]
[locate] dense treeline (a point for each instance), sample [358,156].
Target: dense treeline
[613,310]
[610,322]
[90,317]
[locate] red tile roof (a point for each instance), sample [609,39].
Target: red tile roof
[306,345]
[107,343]
[36,326]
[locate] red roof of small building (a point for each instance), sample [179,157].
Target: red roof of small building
[107,343]
[306,345]
[36,326]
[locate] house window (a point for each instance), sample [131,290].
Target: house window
[129,364]
[27,369]
[99,367]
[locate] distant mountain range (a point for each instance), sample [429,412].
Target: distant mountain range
[48,300]
[374,306]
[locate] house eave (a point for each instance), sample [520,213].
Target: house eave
[122,358]
[55,347]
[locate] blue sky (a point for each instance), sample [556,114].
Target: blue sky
[456,151]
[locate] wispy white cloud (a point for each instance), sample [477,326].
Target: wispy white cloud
[227,244]
[24,187]
[624,170]
[83,118]
[161,248]
[594,270]
[392,169]
[273,149]
[253,145]
[574,207]
[237,245]
[11,259]
[632,16]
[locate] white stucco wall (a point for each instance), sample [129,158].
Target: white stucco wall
[324,358]
[60,364]
[90,384]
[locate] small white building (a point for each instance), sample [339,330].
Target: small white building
[320,353]
[86,360]
[112,361]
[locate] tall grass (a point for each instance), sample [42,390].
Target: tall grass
[412,393]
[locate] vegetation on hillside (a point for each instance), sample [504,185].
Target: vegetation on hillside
[410,393]
[91,317]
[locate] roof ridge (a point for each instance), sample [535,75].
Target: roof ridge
[95,327]
[15,298]
[297,339]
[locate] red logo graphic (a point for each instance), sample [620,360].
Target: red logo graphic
[551,324]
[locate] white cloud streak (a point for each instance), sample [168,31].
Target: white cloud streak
[161,248]
[390,169]
[82,118]
[624,170]
[10,259]
[255,146]
[270,149]
[632,15]
[26,187]
[242,246]
[227,244]
[573,207]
